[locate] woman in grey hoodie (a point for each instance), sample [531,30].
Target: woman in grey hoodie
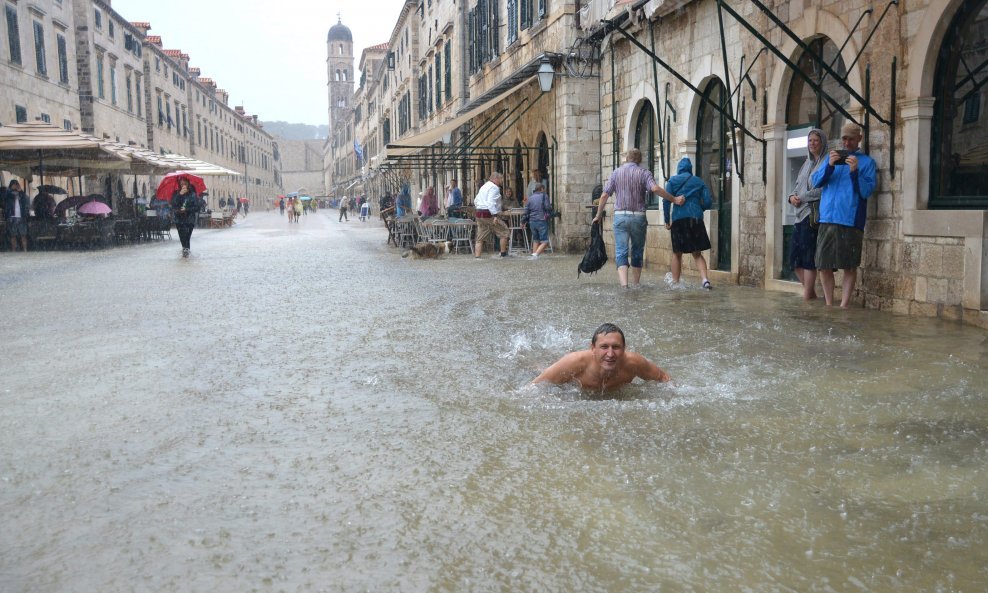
[801,197]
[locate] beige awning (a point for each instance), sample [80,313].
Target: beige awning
[413,144]
[39,144]
[197,167]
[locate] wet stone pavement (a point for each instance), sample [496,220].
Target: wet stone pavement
[298,408]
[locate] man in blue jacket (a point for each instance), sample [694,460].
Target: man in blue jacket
[848,181]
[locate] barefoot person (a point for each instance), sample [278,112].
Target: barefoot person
[605,366]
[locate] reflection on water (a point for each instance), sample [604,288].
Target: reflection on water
[352,421]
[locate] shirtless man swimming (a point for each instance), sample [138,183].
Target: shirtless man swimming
[605,366]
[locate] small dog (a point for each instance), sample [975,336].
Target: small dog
[428,250]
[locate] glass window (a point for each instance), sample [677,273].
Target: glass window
[130,94]
[99,20]
[959,156]
[63,59]
[714,164]
[39,48]
[100,87]
[113,84]
[46,118]
[20,113]
[140,96]
[67,124]
[13,34]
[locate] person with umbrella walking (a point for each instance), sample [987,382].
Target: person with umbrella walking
[185,206]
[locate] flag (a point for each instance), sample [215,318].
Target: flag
[357,150]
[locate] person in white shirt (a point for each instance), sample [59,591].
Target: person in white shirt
[488,205]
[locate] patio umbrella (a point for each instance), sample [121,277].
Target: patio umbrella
[51,149]
[94,208]
[75,202]
[51,189]
[169,183]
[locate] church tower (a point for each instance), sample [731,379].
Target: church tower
[339,68]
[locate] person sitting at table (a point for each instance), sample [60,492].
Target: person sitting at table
[429,205]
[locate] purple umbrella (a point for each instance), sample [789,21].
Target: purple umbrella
[94,208]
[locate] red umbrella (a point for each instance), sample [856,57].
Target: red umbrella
[169,183]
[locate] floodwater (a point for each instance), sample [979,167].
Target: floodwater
[297,408]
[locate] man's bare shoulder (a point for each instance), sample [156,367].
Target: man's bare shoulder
[566,368]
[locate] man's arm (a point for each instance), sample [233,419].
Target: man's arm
[600,207]
[564,369]
[646,370]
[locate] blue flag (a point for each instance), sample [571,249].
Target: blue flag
[357,150]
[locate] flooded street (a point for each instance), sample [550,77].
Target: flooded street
[297,408]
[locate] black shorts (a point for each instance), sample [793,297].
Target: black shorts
[689,235]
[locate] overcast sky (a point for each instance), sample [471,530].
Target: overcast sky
[269,55]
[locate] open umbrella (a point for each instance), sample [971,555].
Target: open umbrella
[94,208]
[169,183]
[51,189]
[75,202]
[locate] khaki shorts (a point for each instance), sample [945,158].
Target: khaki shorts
[486,226]
[838,247]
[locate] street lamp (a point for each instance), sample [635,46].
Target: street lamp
[546,73]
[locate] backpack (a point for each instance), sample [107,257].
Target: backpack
[596,255]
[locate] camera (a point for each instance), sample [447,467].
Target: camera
[843,157]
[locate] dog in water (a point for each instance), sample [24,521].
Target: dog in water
[428,250]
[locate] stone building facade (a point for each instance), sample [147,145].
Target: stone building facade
[302,166]
[452,94]
[907,70]
[95,71]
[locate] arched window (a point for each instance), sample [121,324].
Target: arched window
[346,76]
[341,49]
[959,156]
[805,106]
[645,142]
[714,163]
[337,76]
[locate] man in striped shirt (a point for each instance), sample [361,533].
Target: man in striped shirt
[629,184]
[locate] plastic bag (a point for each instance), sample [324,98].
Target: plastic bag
[596,255]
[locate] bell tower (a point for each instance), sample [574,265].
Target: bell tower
[340,74]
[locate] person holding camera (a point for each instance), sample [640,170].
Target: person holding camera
[847,181]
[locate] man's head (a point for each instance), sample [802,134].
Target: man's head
[850,136]
[496,177]
[452,182]
[537,174]
[633,156]
[14,185]
[607,346]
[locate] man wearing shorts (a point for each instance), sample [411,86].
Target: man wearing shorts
[847,181]
[629,184]
[488,205]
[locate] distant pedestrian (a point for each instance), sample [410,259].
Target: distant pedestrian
[364,209]
[16,209]
[281,206]
[297,208]
[537,213]
[344,205]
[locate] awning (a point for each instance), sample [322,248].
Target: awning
[197,167]
[50,148]
[427,138]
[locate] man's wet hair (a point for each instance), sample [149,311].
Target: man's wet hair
[607,328]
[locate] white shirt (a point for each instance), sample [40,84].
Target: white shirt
[488,198]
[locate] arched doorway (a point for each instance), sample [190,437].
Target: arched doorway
[714,162]
[645,142]
[959,150]
[807,109]
[544,163]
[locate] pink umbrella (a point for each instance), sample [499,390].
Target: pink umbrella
[94,208]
